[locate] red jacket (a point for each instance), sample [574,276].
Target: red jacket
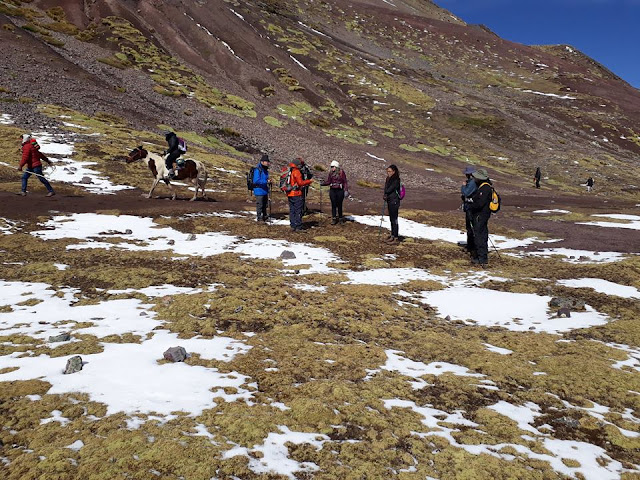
[296,179]
[31,156]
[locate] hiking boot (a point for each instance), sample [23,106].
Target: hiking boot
[50,194]
[477,261]
[388,239]
[23,193]
[343,220]
[394,241]
[334,220]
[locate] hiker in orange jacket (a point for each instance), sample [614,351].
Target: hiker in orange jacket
[31,156]
[296,201]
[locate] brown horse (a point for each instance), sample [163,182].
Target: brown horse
[193,170]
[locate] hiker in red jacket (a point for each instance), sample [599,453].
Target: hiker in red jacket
[296,201]
[31,156]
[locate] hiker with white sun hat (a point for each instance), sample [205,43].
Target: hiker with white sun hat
[338,190]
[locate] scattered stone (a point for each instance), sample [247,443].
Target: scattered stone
[448,318]
[568,422]
[63,337]
[74,364]
[571,303]
[287,255]
[238,310]
[582,258]
[128,231]
[191,237]
[86,180]
[564,312]
[532,328]
[175,354]
[143,314]
[171,242]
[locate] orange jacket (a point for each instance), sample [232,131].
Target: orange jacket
[296,180]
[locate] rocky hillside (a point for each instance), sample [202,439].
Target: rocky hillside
[364,82]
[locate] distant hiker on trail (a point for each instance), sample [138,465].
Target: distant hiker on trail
[537,176]
[306,175]
[392,197]
[31,156]
[296,202]
[480,213]
[467,190]
[172,153]
[338,190]
[589,184]
[261,187]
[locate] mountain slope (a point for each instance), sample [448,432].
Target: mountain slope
[406,82]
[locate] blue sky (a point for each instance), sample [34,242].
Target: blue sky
[606,30]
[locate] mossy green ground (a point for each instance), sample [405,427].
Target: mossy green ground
[312,352]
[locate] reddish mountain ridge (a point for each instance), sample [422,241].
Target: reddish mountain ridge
[364,82]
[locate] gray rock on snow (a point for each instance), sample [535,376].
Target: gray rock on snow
[74,364]
[287,255]
[175,354]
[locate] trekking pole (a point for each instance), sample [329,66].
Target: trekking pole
[320,187]
[494,247]
[384,202]
[269,198]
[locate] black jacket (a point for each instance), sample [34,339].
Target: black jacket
[481,199]
[392,188]
[172,140]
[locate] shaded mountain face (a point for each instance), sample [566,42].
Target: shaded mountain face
[367,83]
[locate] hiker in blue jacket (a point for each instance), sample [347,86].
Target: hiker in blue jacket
[467,190]
[261,187]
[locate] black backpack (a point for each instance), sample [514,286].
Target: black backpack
[250,184]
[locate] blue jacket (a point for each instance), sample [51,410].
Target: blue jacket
[467,191]
[260,180]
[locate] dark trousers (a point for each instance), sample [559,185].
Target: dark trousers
[337,197]
[261,206]
[394,207]
[171,158]
[481,234]
[38,171]
[471,243]
[537,183]
[295,212]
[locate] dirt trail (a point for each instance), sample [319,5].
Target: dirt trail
[134,202]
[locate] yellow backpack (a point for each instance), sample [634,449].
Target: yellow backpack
[495,203]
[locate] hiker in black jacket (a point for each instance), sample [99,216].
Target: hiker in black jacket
[537,177]
[392,197]
[480,213]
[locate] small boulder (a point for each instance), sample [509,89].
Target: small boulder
[564,312]
[74,364]
[63,337]
[86,180]
[171,242]
[238,309]
[287,255]
[571,303]
[128,231]
[175,354]
[191,237]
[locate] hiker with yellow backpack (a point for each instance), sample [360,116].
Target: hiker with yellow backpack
[484,201]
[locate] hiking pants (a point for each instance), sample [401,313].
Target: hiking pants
[537,183]
[394,207]
[171,158]
[337,197]
[38,171]
[261,206]
[295,211]
[471,244]
[481,234]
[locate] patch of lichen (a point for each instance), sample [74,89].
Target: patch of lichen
[171,77]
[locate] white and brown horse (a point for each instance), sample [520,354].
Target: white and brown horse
[193,171]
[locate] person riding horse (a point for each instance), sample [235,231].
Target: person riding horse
[172,154]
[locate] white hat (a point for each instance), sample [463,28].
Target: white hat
[335,164]
[26,137]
